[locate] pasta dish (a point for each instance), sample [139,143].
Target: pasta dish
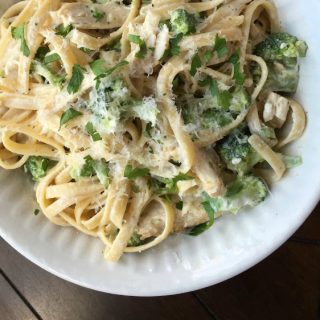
[138,119]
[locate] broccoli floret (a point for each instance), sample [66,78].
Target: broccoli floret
[183,22]
[244,191]
[135,240]
[146,110]
[107,101]
[240,100]
[112,103]
[37,167]
[291,161]
[236,152]
[280,46]
[206,113]
[45,72]
[281,52]
[214,118]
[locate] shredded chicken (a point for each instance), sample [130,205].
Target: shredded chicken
[275,110]
[93,16]
[152,221]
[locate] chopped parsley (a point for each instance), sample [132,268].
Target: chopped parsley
[179,205]
[224,99]
[220,47]
[101,168]
[97,14]
[165,186]
[87,50]
[147,130]
[62,30]
[175,163]
[141,43]
[42,52]
[76,79]
[51,58]
[174,44]
[93,132]
[69,115]
[195,231]
[92,167]
[87,169]
[18,34]
[174,48]
[133,173]
[36,212]
[195,64]
[238,75]
[99,69]
[223,96]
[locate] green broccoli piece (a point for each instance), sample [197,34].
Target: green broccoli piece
[240,100]
[206,113]
[215,118]
[281,52]
[37,166]
[236,152]
[183,22]
[107,102]
[135,240]
[111,102]
[45,72]
[280,46]
[244,191]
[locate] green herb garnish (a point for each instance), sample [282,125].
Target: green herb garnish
[62,30]
[141,43]
[51,58]
[18,34]
[238,75]
[97,14]
[69,115]
[133,173]
[93,132]
[195,231]
[179,205]
[195,64]
[76,79]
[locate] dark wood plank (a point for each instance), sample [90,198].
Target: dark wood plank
[310,230]
[11,306]
[54,298]
[286,285]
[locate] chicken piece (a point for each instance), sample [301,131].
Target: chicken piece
[93,16]
[152,221]
[162,43]
[275,110]
[208,173]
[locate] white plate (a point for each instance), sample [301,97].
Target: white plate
[184,263]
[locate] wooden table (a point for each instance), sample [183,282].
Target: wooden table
[286,285]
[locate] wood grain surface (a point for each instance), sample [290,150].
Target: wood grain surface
[286,285]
